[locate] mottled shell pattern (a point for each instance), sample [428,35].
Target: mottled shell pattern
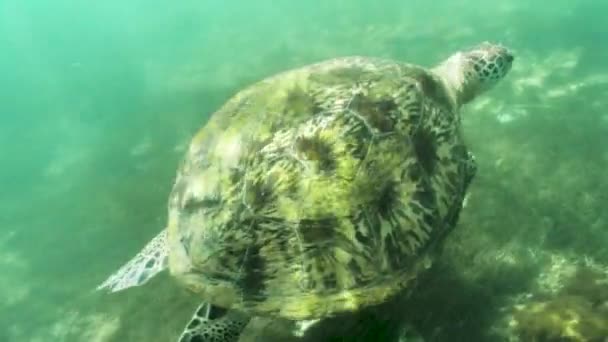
[319,190]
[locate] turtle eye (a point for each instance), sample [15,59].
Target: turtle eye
[193,204]
[190,205]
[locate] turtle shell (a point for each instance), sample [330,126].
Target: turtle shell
[319,190]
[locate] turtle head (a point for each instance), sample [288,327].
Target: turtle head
[471,72]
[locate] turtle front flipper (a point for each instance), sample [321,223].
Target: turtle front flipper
[212,323]
[145,265]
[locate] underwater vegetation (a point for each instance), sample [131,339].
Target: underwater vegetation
[578,312]
[564,318]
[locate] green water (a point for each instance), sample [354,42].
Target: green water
[99,99]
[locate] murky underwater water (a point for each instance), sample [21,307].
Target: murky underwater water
[99,102]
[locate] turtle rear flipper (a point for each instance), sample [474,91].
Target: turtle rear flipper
[211,323]
[146,264]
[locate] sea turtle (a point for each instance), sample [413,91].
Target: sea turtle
[318,191]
